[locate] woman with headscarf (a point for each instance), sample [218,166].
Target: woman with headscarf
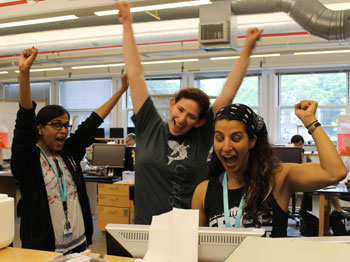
[247,185]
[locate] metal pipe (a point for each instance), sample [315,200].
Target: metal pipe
[312,15]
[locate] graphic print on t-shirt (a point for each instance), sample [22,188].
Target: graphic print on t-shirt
[219,220]
[179,151]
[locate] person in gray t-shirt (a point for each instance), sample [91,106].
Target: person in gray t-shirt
[171,157]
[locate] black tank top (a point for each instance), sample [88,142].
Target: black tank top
[275,223]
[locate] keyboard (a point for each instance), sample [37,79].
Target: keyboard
[103,179]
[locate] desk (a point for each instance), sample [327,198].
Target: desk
[325,206]
[31,255]
[287,249]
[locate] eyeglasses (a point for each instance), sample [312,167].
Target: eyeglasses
[58,125]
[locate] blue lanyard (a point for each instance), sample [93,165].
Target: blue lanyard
[226,206]
[63,187]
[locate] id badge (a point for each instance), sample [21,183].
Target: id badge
[67,229]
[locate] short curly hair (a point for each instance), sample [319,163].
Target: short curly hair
[197,95]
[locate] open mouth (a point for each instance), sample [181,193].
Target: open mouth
[60,141]
[230,160]
[178,127]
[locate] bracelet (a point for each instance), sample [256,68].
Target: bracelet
[309,125]
[313,127]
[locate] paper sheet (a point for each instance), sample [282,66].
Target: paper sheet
[174,237]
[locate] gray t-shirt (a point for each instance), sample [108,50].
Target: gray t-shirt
[168,168]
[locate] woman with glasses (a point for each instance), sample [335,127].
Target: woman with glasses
[56,214]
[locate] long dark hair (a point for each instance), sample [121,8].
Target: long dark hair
[258,177]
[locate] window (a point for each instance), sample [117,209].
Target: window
[329,89]
[81,97]
[247,94]
[161,91]
[40,90]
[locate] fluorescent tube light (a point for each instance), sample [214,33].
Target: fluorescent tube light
[144,63]
[170,61]
[157,7]
[39,21]
[321,52]
[44,69]
[96,66]
[224,58]
[264,55]
[236,57]
[3,72]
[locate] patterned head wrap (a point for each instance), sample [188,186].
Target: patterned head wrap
[246,115]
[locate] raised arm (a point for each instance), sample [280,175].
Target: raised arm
[106,108]
[138,87]
[330,170]
[238,71]
[26,61]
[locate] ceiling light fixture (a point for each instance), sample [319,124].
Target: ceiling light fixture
[264,55]
[224,58]
[97,66]
[144,63]
[39,21]
[3,72]
[170,61]
[157,7]
[322,52]
[236,57]
[44,69]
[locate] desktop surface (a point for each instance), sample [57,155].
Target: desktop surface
[333,189]
[31,255]
[289,250]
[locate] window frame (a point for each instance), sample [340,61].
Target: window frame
[319,108]
[224,75]
[108,121]
[160,95]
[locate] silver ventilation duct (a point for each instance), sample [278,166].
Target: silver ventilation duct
[312,15]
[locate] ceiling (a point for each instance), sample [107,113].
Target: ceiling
[96,40]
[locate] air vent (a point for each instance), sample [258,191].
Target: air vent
[224,239]
[217,29]
[135,236]
[214,33]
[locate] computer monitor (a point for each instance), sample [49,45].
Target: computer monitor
[111,155]
[100,132]
[131,130]
[214,244]
[289,154]
[116,132]
[129,159]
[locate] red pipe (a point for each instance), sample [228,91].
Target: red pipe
[16,3]
[152,43]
